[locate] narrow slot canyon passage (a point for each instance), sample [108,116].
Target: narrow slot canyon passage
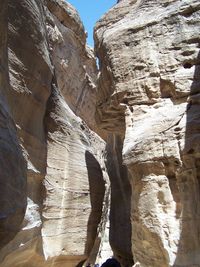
[99,140]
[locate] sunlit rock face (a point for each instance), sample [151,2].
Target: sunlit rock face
[67,191]
[55,191]
[74,62]
[76,187]
[149,94]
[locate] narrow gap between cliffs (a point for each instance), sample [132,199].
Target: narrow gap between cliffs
[90,12]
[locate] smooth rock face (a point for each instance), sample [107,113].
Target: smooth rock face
[67,192]
[149,91]
[30,75]
[120,208]
[75,185]
[12,167]
[12,178]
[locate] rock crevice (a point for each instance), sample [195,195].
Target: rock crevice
[99,163]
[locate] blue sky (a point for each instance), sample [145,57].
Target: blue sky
[90,11]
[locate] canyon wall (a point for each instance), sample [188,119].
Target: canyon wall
[54,182]
[69,197]
[13,166]
[149,98]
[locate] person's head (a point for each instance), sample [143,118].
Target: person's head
[111,263]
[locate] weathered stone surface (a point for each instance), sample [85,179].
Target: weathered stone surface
[30,75]
[148,102]
[79,153]
[68,186]
[149,91]
[75,184]
[30,72]
[74,62]
[120,208]
[12,167]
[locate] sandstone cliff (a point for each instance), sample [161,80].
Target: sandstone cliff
[13,167]
[149,95]
[52,80]
[66,193]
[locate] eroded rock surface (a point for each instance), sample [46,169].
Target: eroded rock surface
[147,101]
[67,182]
[149,93]
[13,167]
[74,62]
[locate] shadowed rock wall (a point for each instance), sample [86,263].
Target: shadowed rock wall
[12,167]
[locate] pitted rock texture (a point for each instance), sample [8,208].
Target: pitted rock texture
[67,191]
[149,93]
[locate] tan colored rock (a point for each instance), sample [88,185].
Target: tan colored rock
[83,151]
[75,186]
[149,91]
[75,65]
[30,75]
[147,100]
[30,72]
[68,186]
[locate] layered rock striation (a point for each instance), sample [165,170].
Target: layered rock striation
[149,95]
[13,167]
[48,80]
[66,192]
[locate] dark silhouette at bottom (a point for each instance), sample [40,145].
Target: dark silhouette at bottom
[111,263]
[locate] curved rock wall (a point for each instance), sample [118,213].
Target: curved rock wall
[52,80]
[59,180]
[149,91]
[74,62]
[12,167]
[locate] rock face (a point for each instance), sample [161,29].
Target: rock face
[60,181]
[52,80]
[149,93]
[74,62]
[13,167]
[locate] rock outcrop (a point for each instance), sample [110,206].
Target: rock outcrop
[75,66]
[149,94]
[66,192]
[12,167]
[52,80]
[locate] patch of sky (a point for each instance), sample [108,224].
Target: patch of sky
[90,12]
